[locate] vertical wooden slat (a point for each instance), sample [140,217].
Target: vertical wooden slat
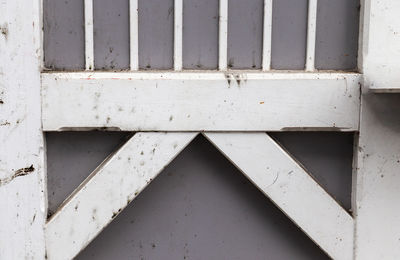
[89,43]
[223,34]
[311,35]
[267,33]
[134,34]
[22,147]
[178,20]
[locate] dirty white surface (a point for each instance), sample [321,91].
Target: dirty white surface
[380,47]
[201,101]
[378,183]
[22,182]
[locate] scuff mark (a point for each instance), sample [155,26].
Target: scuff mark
[228,79]
[4,30]
[276,178]
[18,173]
[33,219]
[238,79]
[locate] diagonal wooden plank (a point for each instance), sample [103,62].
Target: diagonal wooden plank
[291,188]
[109,189]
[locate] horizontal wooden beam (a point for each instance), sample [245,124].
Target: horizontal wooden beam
[109,189]
[201,101]
[291,188]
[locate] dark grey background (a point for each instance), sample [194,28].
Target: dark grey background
[336,45]
[200,206]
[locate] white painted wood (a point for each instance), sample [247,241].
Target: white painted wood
[380,48]
[267,35]
[109,189]
[291,188]
[178,31]
[200,102]
[134,34]
[89,41]
[377,200]
[377,206]
[22,180]
[223,35]
[311,34]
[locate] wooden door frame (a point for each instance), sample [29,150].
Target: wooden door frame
[32,103]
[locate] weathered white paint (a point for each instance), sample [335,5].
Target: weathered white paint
[291,188]
[178,31]
[380,45]
[378,184]
[204,102]
[89,40]
[267,35]
[311,34]
[223,35]
[134,34]
[377,200]
[109,189]
[22,180]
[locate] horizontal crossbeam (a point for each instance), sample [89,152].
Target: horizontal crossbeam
[207,101]
[291,188]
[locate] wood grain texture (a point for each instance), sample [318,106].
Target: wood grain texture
[201,101]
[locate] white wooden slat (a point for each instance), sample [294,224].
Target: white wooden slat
[89,41]
[377,207]
[109,189]
[22,152]
[223,35]
[379,50]
[178,31]
[267,35]
[200,101]
[291,188]
[311,35]
[134,34]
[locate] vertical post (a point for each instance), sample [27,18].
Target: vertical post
[377,202]
[22,165]
[178,21]
[223,35]
[134,34]
[89,42]
[311,34]
[267,35]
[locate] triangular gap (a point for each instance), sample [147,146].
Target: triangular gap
[327,156]
[72,156]
[201,207]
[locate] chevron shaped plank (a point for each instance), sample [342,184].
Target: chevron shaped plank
[109,189]
[291,188]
